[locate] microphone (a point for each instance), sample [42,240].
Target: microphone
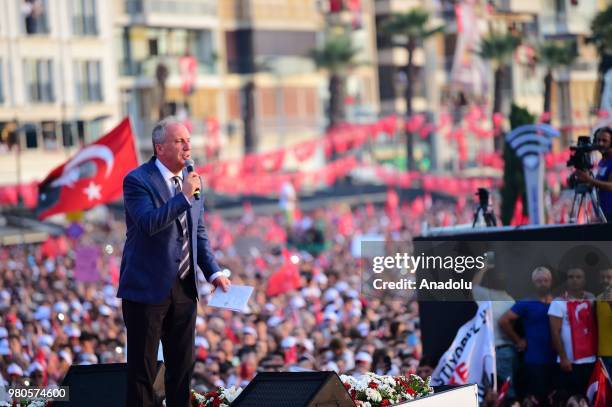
[189,165]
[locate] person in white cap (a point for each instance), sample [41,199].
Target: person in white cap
[339,352]
[15,374]
[36,371]
[65,361]
[363,364]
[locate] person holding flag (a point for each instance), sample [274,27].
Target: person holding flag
[471,356]
[572,326]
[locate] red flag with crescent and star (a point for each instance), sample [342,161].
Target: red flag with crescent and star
[91,177]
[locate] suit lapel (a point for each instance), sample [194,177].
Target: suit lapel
[158,181]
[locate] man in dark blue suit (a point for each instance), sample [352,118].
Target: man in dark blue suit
[166,240]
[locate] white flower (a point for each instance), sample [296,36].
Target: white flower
[367,404]
[231,393]
[362,383]
[373,394]
[389,380]
[200,398]
[385,388]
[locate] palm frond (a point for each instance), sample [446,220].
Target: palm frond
[498,47]
[413,23]
[601,28]
[336,54]
[557,53]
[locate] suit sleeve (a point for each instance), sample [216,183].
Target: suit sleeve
[206,257]
[139,205]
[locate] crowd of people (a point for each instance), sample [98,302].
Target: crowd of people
[548,343]
[51,319]
[314,319]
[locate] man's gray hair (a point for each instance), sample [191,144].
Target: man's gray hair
[540,271]
[158,135]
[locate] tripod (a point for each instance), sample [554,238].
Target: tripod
[488,216]
[582,191]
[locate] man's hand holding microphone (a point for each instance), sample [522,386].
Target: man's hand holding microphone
[192,185]
[192,181]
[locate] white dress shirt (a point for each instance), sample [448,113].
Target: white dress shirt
[168,175]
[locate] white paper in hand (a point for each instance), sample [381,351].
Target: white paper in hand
[235,299]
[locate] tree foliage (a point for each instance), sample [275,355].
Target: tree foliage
[514,180]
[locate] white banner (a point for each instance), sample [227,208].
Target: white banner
[471,356]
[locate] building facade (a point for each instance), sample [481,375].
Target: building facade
[255,88]
[57,82]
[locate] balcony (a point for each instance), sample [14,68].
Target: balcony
[565,23]
[518,6]
[148,66]
[197,8]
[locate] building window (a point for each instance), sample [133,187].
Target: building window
[84,17]
[35,16]
[133,6]
[88,80]
[49,135]
[31,135]
[39,80]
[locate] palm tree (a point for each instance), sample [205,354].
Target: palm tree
[601,28]
[161,74]
[555,54]
[558,55]
[408,30]
[498,49]
[336,56]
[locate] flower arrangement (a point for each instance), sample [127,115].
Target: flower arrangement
[371,390]
[216,398]
[26,403]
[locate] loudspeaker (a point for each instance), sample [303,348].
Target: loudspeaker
[103,385]
[294,389]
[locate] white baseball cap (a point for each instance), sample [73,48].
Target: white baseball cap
[249,330]
[65,356]
[15,369]
[34,367]
[363,357]
[288,342]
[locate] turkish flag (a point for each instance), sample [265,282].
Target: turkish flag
[581,318]
[285,279]
[92,177]
[599,391]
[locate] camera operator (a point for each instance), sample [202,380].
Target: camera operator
[602,178]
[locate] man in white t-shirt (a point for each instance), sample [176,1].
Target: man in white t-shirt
[574,372]
[287,201]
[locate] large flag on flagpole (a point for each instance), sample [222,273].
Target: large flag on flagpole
[92,177]
[471,356]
